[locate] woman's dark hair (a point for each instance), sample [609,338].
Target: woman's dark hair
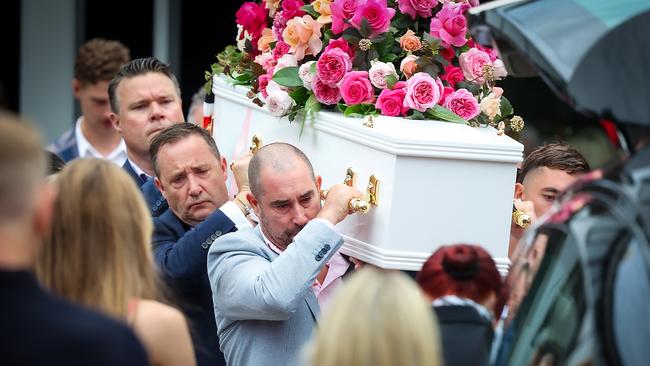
[463,270]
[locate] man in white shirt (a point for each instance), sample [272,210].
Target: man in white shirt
[93,134]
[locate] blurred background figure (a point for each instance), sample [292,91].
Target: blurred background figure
[464,285]
[380,318]
[195,111]
[99,256]
[93,135]
[545,173]
[37,328]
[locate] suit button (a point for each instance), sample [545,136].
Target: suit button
[322,252]
[318,258]
[205,245]
[326,247]
[218,233]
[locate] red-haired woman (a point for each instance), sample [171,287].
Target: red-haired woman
[464,286]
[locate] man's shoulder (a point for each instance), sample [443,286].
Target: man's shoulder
[249,239]
[65,146]
[82,333]
[168,221]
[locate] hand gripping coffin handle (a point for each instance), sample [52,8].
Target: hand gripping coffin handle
[256,144]
[361,204]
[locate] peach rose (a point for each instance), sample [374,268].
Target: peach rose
[408,65]
[491,105]
[264,43]
[410,42]
[322,7]
[304,36]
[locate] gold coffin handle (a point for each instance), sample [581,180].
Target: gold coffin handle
[256,144]
[360,204]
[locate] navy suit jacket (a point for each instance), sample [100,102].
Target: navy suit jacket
[39,329]
[181,253]
[155,200]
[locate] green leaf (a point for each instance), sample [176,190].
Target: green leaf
[365,30]
[312,69]
[359,110]
[351,35]
[312,104]
[310,10]
[416,115]
[391,80]
[288,76]
[444,114]
[342,107]
[372,55]
[300,95]
[389,57]
[506,107]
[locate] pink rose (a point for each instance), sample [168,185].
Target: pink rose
[377,13]
[453,74]
[263,81]
[417,7]
[332,66]
[252,17]
[450,25]
[474,63]
[356,88]
[409,65]
[266,61]
[463,103]
[500,71]
[448,53]
[342,10]
[281,49]
[422,91]
[278,26]
[490,51]
[291,9]
[324,93]
[342,44]
[446,92]
[391,102]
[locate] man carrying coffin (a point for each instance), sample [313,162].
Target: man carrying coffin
[262,278]
[191,175]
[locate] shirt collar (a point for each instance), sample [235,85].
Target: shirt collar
[137,169]
[85,149]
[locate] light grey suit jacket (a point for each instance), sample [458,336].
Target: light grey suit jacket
[263,302]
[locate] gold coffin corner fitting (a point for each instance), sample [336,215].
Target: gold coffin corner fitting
[256,144]
[521,218]
[360,204]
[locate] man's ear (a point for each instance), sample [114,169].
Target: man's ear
[159,185]
[115,120]
[519,192]
[254,203]
[224,168]
[76,87]
[319,181]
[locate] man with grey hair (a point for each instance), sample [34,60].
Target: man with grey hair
[38,328]
[145,99]
[262,279]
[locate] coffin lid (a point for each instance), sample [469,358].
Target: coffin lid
[402,137]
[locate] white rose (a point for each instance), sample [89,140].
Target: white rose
[242,37]
[491,105]
[278,102]
[378,72]
[305,74]
[500,71]
[285,61]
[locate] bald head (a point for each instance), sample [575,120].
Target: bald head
[280,157]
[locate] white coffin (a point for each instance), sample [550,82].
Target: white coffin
[441,183]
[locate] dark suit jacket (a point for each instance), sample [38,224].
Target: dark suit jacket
[466,335]
[39,329]
[66,146]
[181,253]
[155,200]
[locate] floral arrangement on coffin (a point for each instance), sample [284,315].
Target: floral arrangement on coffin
[401,58]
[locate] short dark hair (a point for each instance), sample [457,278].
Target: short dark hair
[274,154]
[557,156]
[137,67]
[99,60]
[178,132]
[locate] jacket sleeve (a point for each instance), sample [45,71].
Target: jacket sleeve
[247,285]
[182,255]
